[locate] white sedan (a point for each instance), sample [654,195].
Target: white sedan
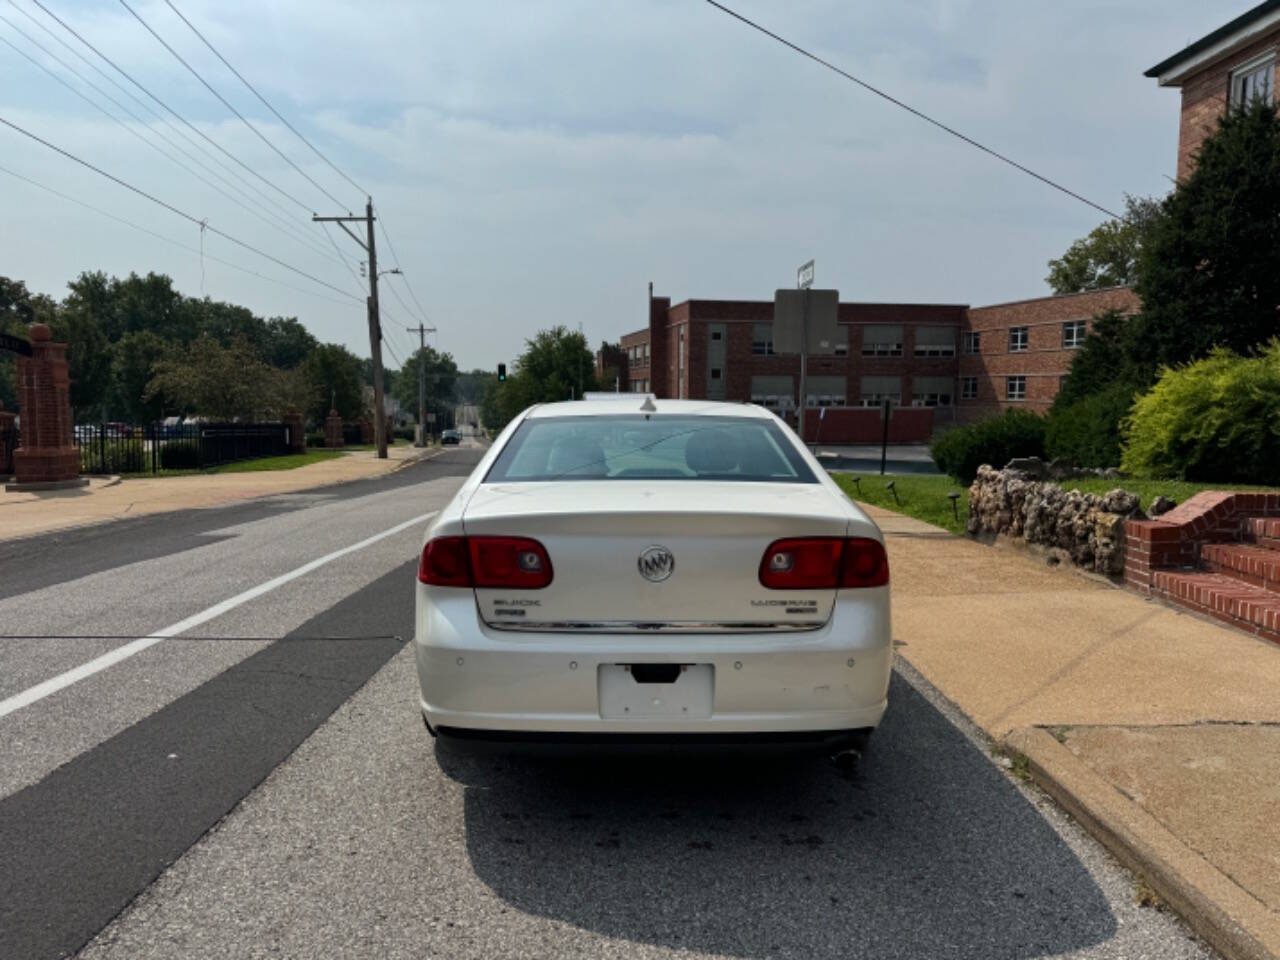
[638,570]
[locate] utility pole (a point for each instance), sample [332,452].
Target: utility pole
[422,330]
[375,317]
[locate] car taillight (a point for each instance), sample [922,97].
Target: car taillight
[864,564]
[509,562]
[502,562]
[824,563]
[445,562]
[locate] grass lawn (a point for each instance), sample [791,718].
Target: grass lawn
[922,497]
[925,498]
[288,462]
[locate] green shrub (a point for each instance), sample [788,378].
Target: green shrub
[1087,432]
[1214,420]
[179,455]
[996,440]
[315,439]
[403,433]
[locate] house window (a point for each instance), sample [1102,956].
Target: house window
[762,339]
[1254,81]
[715,373]
[882,340]
[935,342]
[973,343]
[1073,332]
[1017,339]
[1015,388]
[968,388]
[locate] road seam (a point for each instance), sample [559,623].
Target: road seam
[98,664]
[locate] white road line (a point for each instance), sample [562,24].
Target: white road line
[98,664]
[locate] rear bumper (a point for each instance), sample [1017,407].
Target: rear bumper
[482,684]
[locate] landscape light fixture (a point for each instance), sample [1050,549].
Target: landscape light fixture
[892,488]
[954,497]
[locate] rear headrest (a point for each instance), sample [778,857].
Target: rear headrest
[713,451]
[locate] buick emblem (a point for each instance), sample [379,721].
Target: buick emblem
[656,564]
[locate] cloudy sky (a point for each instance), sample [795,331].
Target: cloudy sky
[540,161]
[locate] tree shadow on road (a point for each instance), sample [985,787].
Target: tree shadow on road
[927,851]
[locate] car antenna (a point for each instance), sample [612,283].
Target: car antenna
[647,406]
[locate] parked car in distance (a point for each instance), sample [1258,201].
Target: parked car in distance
[665,571]
[450,436]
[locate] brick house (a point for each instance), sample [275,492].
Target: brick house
[1228,66]
[944,362]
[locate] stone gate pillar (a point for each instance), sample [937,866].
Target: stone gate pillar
[333,430]
[7,428]
[297,435]
[48,457]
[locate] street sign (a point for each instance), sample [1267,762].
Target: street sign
[804,276]
[15,344]
[789,316]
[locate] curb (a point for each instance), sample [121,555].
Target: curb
[1229,918]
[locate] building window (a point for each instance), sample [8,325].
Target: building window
[645,354]
[717,334]
[931,391]
[715,373]
[825,391]
[1254,81]
[882,340]
[1073,332]
[762,339]
[841,348]
[935,342]
[973,343]
[1017,339]
[968,388]
[875,390]
[1015,388]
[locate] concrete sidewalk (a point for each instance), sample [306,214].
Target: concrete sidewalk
[29,513]
[1159,730]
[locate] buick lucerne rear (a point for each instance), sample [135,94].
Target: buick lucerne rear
[663,571]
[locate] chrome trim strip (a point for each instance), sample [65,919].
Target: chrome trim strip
[657,626]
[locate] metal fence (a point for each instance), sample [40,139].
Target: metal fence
[149,448]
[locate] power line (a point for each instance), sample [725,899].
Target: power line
[287,229]
[396,257]
[912,110]
[178,116]
[204,224]
[226,103]
[248,186]
[160,236]
[265,102]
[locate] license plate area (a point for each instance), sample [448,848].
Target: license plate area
[638,691]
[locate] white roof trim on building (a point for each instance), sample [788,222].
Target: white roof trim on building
[1243,37]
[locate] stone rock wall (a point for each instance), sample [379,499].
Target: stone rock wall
[1086,527]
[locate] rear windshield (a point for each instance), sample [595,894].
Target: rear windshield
[635,447]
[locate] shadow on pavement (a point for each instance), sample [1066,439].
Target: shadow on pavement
[927,851]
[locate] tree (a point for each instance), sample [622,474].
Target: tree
[470,387]
[441,377]
[1108,256]
[556,365]
[287,343]
[335,375]
[613,364]
[223,383]
[1208,272]
[1112,353]
[135,360]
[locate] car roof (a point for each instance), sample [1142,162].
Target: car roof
[636,404]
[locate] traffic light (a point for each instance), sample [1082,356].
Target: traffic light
[502,372]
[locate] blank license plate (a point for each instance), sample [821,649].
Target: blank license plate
[623,697]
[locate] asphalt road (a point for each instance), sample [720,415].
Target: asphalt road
[270,791]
